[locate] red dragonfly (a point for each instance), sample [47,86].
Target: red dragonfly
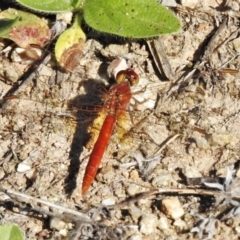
[116,102]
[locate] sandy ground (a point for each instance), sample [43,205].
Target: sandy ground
[150,184]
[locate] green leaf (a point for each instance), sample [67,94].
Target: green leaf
[135,18]
[68,48]
[25,29]
[11,232]
[51,6]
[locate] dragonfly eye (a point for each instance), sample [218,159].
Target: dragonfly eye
[127,75]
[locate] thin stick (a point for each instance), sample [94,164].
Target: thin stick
[27,198]
[198,192]
[167,142]
[184,191]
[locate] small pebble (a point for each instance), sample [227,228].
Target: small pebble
[238,173]
[135,213]
[134,175]
[163,223]
[108,201]
[145,98]
[65,16]
[63,232]
[172,207]
[115,66]
[20,123]
[148,224]
[237,229]
[169,3]
[133,189]
[162,180]
[56,223]
[24,166]
[180,224]
[191,172]
[202,142]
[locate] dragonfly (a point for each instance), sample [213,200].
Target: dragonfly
[118,98]
[116,101]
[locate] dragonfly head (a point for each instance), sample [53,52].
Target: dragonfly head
[127,75]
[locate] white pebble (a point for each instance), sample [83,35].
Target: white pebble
[133,189]
[180,224]
[238,173]
[108,201]
[163,223]
[169,3]
[56,223]
[24,166]
[4,197]
[148,224]
[202,142]
[144,96]
[236,44]
[65,16]
[237,229]
[172,207]
[115,66]
[63,232]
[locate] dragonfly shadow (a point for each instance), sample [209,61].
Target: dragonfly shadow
[85,109]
